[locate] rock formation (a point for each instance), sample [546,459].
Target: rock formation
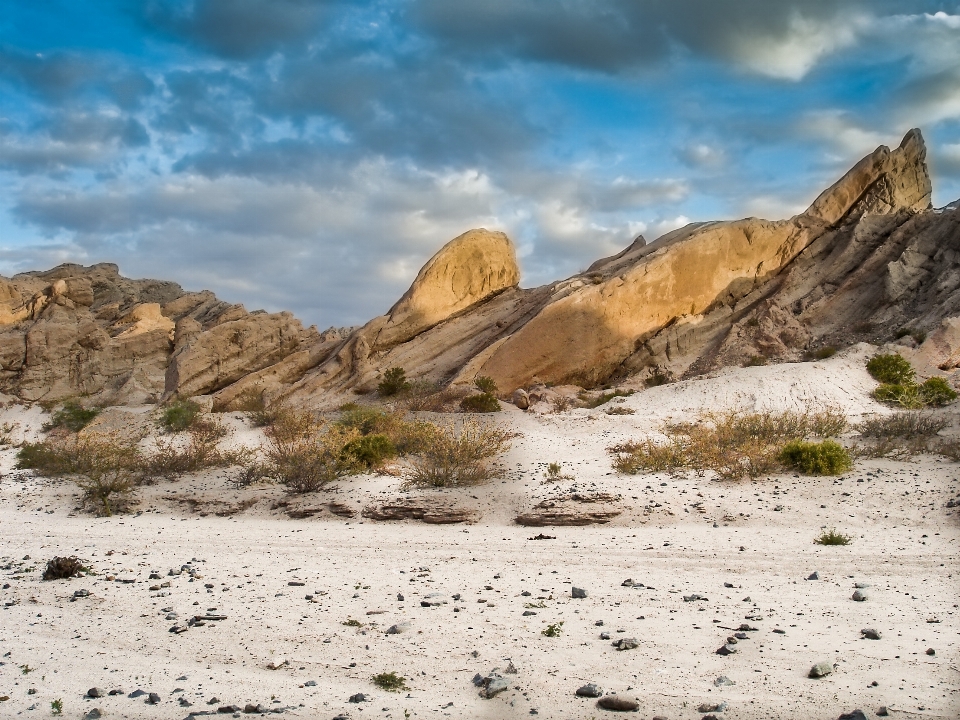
[867,257]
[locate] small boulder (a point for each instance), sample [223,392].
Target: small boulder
[821,669]
[398,628]
[813,576]
[870,634]
[359,698]
[578,593]
[95,692]
[521,399]
[590,690]
[859,596]
[855,715]
[626,644]
[727,649]
[618,703]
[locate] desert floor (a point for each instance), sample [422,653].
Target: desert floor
[746,548]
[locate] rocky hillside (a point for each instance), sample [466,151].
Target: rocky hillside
[868,257]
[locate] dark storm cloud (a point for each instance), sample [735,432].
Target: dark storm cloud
[238,29]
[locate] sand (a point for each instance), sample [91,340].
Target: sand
[744,547]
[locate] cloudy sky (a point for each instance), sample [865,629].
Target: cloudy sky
[311,155]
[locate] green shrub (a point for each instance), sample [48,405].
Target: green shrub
[824,458]
[891,369]
[832,538]
[907,396]
[179,415]
[553,629]
[44,457]
[480,403]
[394,381]
[371,451]
[72,416]
[919,335]
[366,420]
[657,378]
[755,361]
[937,392]
[486,385]
[391,682]
[304,454]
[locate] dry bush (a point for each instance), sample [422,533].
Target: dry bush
[305,453]
[603,398]
[171,458]
[105,465]
[457,454]
[949,449]
[561,404]
[60,568]
[732,445]
[253,403]
[902,434]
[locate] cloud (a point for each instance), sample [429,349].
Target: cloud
[701,155]
[237,29]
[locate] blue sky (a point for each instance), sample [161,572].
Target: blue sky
[311,155]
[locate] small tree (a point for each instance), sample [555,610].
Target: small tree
[394,381]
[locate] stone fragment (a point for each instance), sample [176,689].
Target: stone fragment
[590,690]
[618,703]
[578,593]
[821,669]
[870,633]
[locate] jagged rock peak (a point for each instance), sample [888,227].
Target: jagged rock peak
[883,182]
[468,269]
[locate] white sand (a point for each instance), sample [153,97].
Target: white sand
[905,548]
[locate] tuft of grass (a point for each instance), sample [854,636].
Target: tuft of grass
[891,369]
[824,458]
[553,630]
[755,361]
[555,473]
[454,456]
[350,622]
[72,416]
[733,445]
[56,707]
[179,415]
[390,681]
[394,381]
[832,537]
[619,410]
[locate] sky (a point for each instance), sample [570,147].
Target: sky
[312,155]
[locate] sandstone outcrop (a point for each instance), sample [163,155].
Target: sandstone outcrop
[867,257]
[89,331]
[467,270]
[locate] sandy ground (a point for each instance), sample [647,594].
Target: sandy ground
[746,548]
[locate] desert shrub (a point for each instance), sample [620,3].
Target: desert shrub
[821,353]
[253,403]
[366,420]
[394,381]
[824,458]
[902,332]
[755,361]
[733,445]
[59,568]
[832,537]
[305,454]
[603,398]
[936,392]
[657,378]
[171,458]
[453,456]
[891,369]
[561,404]
[648,457]
[949,449]
[480,403]
[371,451]
[250,473]
[179,415]
[72,416]
[619,410]
[390,681]
[907,396]
[425,396]
[919,335]
[902,425]
[45,457]
[485,384]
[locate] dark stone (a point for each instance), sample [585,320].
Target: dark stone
[617,703]
[95,692]
[578,593]
[153,699]
[855,715]
[590,690]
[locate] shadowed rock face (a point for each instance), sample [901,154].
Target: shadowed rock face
[868,256]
